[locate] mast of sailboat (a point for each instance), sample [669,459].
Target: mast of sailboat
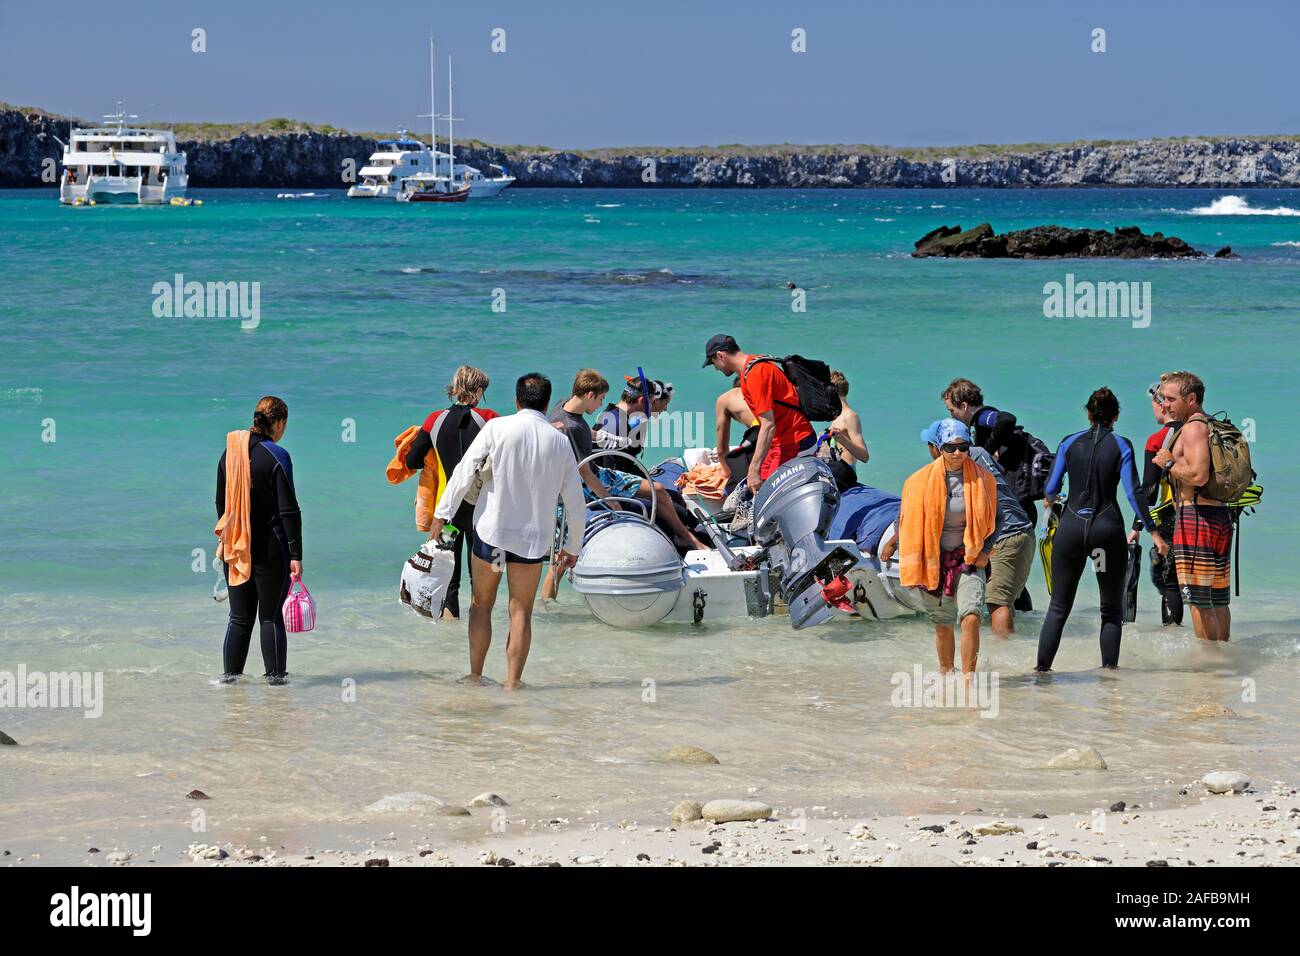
[433,112]
[451,142]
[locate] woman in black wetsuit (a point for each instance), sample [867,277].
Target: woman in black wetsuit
[1097,461]
[449,432]
[275,526]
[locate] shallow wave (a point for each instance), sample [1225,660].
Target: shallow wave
[1290,243]
[1239,206]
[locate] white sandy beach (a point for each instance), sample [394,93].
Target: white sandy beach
[1260,827]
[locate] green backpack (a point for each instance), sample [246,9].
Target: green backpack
[1230,470]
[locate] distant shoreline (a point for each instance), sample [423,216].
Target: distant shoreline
[282,153]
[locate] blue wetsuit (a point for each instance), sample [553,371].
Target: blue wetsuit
[1098,462]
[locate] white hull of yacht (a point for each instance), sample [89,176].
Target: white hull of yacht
[478,189]
[120,190]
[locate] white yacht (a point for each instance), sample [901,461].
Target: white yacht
[408,158]
[394,160]
[405,157]
[122,164]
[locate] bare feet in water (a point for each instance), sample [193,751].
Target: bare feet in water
[514,685]
[476,680]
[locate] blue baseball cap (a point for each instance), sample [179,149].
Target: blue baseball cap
[941,431]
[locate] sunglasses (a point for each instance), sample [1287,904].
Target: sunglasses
[954,447]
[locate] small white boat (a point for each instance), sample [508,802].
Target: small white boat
[629,574]
[302,195]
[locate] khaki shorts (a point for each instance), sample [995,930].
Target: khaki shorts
[1009,566]
[969,599]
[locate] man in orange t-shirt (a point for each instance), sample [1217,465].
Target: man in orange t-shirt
[783,430]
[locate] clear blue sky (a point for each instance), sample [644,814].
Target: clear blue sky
[668,72]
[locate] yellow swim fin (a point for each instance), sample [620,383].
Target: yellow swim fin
[1045,546]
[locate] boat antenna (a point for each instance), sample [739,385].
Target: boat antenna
[120,116]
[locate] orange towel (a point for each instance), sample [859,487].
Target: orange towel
[431,481]
[235,529]
[925,501]
[707,481]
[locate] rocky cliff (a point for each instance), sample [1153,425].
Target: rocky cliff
[317,160]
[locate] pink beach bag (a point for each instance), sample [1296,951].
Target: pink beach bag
[299,608]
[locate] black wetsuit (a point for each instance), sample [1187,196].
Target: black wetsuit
[455,429]
[1091,528]
[276,539]
[1162,566]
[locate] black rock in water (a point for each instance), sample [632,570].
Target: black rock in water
[1051,242]
[1117,806]
[1226,253]
[6,740]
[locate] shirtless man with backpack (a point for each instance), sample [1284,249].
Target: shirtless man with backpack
[1208,466]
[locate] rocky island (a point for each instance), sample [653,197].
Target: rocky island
[1052,242]
[291,154]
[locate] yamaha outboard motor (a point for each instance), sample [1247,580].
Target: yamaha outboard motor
[792,512]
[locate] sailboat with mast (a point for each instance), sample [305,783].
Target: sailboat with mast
[430,187]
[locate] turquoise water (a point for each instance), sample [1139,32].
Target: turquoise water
[366,308]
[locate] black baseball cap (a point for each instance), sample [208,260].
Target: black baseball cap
[719,343]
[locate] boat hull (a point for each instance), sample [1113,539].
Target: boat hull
[459,195]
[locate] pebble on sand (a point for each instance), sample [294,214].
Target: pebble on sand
[1225,781]
[729,811]
[686,812]
[7,741]
[488,800]
[197,795]
[687,754]
[1078,758]
[998,828]
[1212,709]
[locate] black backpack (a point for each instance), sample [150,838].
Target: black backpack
[1030,479]
[819,400]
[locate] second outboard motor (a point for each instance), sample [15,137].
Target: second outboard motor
[791,514]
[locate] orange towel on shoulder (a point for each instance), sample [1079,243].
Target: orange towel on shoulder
[925,502]
[431,478]
[235,529]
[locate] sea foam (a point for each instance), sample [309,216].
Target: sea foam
[1238,206]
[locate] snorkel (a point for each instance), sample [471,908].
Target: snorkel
[645,398]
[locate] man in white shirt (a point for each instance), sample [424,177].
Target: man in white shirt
[528,466]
